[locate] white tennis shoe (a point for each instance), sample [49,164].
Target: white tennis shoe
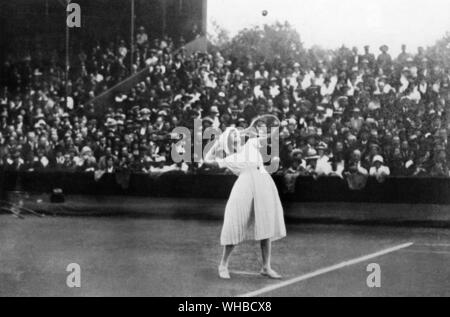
[224,273]
[268,272]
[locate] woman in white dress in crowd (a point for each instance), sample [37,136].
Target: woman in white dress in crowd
[253,210]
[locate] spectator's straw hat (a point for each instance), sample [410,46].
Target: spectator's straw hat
[214,109]
[322,146]
[40,124]
[110,122]
[119,116]
[339,102]
[378,158]
[296,152]
[145,111]
[384,48]
[312,154]
[413,137]
[86,150]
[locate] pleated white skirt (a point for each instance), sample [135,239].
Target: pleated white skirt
[254,210]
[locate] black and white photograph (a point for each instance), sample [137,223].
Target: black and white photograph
[229,150]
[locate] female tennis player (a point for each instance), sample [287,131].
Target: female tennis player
[253,210]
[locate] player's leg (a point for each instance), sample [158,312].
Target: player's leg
[223,266]
[266,251]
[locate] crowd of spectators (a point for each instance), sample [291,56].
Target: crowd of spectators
[348,113]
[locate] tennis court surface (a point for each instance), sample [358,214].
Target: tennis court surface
[178,256]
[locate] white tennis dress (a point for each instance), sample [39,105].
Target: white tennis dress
[253,210]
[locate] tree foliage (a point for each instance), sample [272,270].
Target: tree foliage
[440,52]
[265,43]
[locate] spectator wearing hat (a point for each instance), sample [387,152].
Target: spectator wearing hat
[368,57]
[323,165]
[356,120]
[384,60]
[274,88]
[378,169]
[311,162]
[141,37]
[213,117]
[87,162]
[296,168]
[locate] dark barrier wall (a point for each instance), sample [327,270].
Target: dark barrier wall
[394,190]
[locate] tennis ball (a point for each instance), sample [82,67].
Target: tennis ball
[265,13]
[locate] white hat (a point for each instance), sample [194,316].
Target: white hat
[312,154]
[85,150]
[110,122]
[40,124]
[378,158]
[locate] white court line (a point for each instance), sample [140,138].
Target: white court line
[325,270]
